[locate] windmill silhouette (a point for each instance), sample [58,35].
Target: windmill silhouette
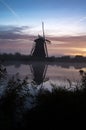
[39,49]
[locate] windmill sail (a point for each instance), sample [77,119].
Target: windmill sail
[43,29]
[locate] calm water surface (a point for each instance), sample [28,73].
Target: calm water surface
[41,72]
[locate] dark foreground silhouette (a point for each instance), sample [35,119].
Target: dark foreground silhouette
[21,57]
[52,109]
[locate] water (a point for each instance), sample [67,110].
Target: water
[47,72]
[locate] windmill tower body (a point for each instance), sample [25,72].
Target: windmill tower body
[40,48]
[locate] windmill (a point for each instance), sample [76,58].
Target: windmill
[39,49]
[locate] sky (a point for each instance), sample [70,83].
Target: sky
[64,23]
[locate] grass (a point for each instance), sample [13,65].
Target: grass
[52,109]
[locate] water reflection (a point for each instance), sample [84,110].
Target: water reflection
[38,72]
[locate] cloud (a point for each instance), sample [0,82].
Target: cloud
[14,38]
[17,32]
[14,32]
[12,29]
[69,38]
[68,45]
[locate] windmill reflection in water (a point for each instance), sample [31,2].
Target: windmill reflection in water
[38,71]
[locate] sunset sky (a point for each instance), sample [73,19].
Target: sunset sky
[64,20]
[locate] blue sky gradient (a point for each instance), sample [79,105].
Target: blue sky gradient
[36,10]
[61,18]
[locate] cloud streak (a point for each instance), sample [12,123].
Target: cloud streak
[69,38]
[14,32]
[10,9]
[13,29]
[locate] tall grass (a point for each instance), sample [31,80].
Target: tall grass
[58,105]
[3,72]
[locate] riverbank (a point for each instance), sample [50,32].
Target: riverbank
[22,57]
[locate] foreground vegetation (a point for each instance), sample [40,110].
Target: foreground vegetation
[51,109]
